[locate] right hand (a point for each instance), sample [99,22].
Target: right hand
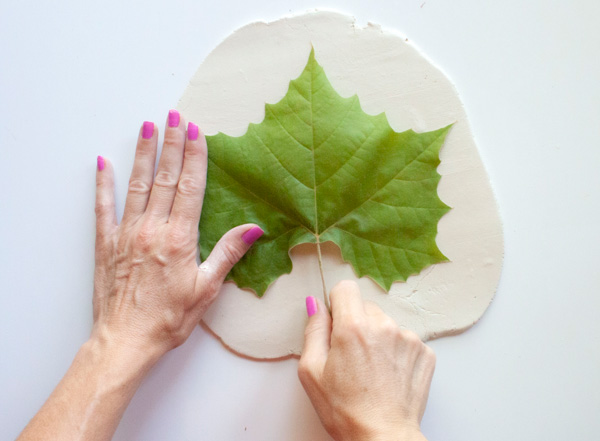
[367,378]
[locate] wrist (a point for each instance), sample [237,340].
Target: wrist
[122,362]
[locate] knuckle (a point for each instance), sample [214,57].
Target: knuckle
[343,286]
[231,253]
[138,186]
[312,328]
[351,330]
[165,179]
[371,306]
[429,355]
[410,338]
[145,148]
[188,186]
[309,330]
[354,325]
[177,237]
[389,327]
[177,241]
[102,207]
[193,150]
[144,238]
[173,139]
[171,249]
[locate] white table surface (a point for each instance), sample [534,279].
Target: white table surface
[77,79]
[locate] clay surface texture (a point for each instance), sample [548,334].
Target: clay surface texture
[254,66]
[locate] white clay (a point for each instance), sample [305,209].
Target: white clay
[253,66]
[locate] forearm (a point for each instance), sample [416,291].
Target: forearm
[90,400]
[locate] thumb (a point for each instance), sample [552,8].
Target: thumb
[317,338]
[229,250]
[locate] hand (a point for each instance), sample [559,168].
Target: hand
[149,292]
[366,378]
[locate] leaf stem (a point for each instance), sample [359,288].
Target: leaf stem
[325,297]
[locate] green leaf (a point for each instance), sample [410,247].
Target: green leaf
[319,169]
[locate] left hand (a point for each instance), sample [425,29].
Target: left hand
[149,292]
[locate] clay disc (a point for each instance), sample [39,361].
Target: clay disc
[253,66]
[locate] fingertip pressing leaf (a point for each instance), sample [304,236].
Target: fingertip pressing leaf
[318,169]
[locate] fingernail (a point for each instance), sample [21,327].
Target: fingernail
[100,163]
[192,131]
[173,118]
[148,130]
[252,235]
[311,306]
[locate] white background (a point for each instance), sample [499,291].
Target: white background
[77,79]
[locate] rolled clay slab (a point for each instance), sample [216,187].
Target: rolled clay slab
[254,66]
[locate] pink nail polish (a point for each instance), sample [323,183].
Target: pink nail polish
[311,306]
[147,130]
[100,163]
[192,131]
[252,235]
[173,118]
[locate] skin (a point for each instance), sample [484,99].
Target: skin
[149,292]
[367,379]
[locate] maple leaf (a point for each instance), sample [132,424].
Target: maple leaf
[318,169]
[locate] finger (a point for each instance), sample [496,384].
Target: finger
[424,374]
[106,218]
[317,339]
[169,168]
[346,302]
[372,308]
[227,252]
[142,174]
[192,182]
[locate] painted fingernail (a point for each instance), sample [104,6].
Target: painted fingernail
[173,118]
[100,163]
[252,235]
[311,306]
[147,130]
[192,131]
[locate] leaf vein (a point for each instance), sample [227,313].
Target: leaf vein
[287,131]
[338,126]
[260,198]
[384,244]
[385,185]
[279,161]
